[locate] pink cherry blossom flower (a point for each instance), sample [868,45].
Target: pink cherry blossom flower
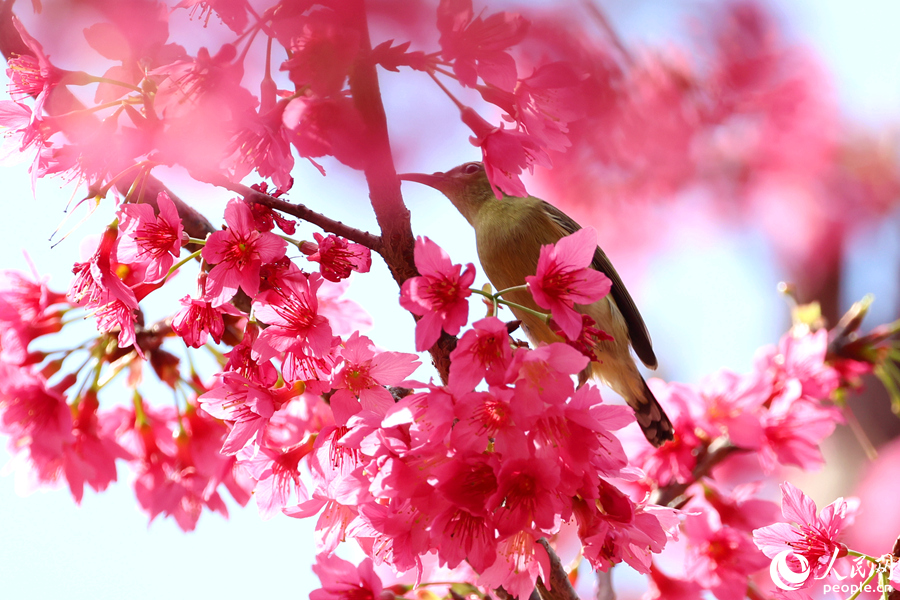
[341,580]
[586,340]
[485,417]
[295,325]
[463,536]
[265,217]
[262,144]
[741,507]
[720,558]
[26,128]
[238,252]
[28,310]
[277,478]
[246,405]
[482,352]
[579,435]
[314,371]
[613,529]
[31,75]
[543,376]
[802,359]
[337,257]
[520,561]
[151,240]
[232,12]
[547,101]
[360,383]
[327,127]
[438,295]
[793,428]
[505,153]
[675,460]
[663,587]
[322,50]
[244,360]
[345,316]
[476,46]
[808,536]
[526,495]
[92,456]
[36,417]
[564,277]
[179,475]
[199,319]
[99,288]
[733,406]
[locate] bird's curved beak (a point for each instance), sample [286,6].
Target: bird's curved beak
[434,180]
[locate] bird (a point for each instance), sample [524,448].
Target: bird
[509,233]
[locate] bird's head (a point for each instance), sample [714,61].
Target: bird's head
[466,186]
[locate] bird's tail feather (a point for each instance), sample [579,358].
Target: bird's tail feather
[652,418]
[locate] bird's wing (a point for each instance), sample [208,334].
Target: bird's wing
[637,330]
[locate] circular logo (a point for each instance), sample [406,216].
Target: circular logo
[783,576]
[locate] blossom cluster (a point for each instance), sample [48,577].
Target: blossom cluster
[731,433]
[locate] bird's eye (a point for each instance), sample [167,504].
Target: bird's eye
[472,168]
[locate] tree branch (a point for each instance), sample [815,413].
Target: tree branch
[715,453]
[560,586]
[372,242]
[381,175]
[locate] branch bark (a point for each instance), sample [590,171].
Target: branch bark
[391,213]
[372,242]
[715,453]
[560,586]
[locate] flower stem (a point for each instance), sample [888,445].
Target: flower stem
[871,559]
[458,104]
[495,298]
[95,79]
[512,289]
[181,262]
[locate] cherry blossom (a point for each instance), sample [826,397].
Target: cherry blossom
[360,383]
[238,253]
[438,295]
[483,352]
[153,241]
[564,278]
[337,257]
[810,535]
[99,288]
[342,580]
[295,323]
[476,46]
[505,153]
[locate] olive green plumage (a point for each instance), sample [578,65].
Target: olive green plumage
[509,233]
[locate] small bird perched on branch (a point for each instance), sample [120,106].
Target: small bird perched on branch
[509,233]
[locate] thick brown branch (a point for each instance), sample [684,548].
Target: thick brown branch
[372,242]
[560,587]
[381,175]
[604,588]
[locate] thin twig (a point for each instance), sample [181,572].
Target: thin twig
[372,242]
[717,451]
[597,14]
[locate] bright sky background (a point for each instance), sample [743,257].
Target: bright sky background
[49,548]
